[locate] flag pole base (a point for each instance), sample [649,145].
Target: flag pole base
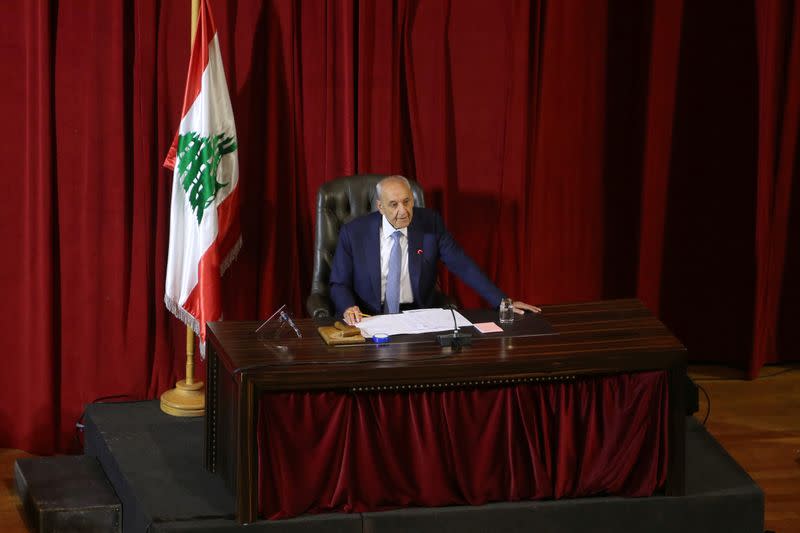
[184,400]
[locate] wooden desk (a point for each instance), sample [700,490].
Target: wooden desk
[596,338]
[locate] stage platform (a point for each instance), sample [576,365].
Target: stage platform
[155,463]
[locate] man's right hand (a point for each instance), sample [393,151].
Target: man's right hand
[352,315]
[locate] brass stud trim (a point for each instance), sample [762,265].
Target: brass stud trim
[461,384]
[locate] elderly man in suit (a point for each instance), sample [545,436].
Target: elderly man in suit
[386,261]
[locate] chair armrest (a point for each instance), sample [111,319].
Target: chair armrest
[318,305]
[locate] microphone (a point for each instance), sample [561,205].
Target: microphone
[456,339]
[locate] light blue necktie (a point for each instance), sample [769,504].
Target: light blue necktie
[393,277]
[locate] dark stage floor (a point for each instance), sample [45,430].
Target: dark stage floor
[155,463]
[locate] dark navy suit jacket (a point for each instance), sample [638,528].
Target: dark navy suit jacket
[356,270]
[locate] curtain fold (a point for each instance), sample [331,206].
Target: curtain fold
[29,270]
[328,451]
[661,83]
[577,151]
[778,44]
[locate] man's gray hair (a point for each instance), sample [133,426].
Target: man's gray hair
[379,186]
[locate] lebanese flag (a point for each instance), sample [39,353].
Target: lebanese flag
[204,232]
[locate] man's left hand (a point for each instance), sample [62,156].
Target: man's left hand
[521,307]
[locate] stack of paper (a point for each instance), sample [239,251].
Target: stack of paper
[411,322]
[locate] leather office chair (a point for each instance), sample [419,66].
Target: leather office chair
[339,201]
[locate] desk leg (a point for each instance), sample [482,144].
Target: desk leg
[246,484]
[212,378]
[676,465]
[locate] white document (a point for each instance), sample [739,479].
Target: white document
[411,322]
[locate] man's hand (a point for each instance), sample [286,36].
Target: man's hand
[352,315]
[521,307]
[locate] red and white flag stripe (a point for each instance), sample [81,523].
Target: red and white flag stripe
[205,235]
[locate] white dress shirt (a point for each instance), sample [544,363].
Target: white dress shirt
[386,240]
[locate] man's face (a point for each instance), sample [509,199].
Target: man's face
[396,203]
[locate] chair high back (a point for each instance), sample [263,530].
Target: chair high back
[338,202]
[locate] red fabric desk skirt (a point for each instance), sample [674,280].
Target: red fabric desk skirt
[357,452]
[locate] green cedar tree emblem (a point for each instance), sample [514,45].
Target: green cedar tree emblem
[198,160]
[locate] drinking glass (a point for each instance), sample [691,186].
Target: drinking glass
[506,311]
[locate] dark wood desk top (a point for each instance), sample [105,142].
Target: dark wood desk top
[591,338]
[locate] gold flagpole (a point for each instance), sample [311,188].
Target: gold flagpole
[187,398]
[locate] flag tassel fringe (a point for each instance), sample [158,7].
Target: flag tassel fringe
[185,317]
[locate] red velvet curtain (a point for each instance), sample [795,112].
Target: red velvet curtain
[577,150]
[335,451]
